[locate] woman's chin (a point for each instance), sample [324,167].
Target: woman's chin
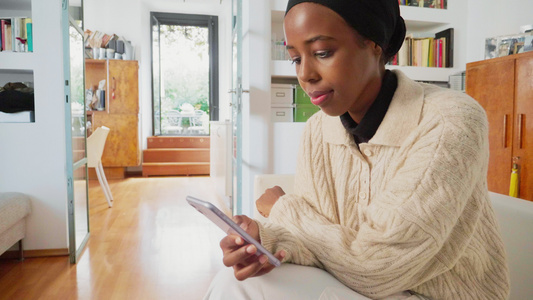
[332,112]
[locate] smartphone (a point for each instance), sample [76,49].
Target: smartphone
[229,227]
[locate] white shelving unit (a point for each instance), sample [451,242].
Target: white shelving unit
[16,60]
[16,66]
[418,20]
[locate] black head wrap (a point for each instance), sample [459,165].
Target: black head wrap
[377,20]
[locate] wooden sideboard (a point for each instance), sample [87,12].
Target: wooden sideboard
[504,87]
[121,113]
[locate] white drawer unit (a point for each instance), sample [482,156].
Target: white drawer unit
[282,113]
[282,94]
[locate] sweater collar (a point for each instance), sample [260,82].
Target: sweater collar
[401,118]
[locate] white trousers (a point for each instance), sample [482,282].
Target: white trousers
[290,282]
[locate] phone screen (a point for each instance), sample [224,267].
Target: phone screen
[228,226]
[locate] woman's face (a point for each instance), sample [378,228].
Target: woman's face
[340,70]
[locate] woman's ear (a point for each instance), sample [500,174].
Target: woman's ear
[377,49]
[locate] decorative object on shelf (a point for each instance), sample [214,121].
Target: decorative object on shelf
[457,81]
[279,50]
[106,46]
[438,4]
[508,44]
[17,103]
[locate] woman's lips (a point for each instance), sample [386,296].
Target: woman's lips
[318,98]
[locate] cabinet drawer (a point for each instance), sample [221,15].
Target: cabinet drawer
[282,114]
[300,97]
[282,94]
[303,112]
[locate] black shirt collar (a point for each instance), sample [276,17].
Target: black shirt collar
[365,130]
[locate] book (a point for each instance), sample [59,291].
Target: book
[29,34]
[3,34]
[8,37]
[403,57]
[19,42]
[448,47]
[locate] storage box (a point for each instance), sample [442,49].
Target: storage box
[300,97]
[282,94]
[282,113]
[302,112]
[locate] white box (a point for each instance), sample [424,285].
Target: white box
[282,94]
[20,117]
[282,113]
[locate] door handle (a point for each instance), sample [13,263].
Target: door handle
[520,131]
[504,131]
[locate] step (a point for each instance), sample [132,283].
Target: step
[165,169]
[176,155]
[155,142]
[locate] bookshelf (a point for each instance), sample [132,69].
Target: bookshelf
[16,66]
[418,20]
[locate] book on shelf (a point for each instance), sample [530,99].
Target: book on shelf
[29,34]
[447,34]
[425,50]
[15,34]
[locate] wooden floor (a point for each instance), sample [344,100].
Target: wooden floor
[150,245]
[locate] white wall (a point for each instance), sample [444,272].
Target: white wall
[285,146]
[131,19]
[256,127]
[33,155]
[491,18]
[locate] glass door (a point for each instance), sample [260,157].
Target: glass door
[185,73]
[236,106]
[75,124]
[156,75]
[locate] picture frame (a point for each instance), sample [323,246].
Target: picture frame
[503,47]
[528,43]
[518,47]
[491,47]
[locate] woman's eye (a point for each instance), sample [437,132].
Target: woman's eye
[323,54]
[295,60]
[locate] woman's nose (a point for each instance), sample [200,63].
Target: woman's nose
[307,71]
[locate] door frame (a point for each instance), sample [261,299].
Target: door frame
[211,22]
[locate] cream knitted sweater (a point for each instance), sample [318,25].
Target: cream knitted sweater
[409,210]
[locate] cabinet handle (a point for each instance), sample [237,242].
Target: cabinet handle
[504,131]
[114,88]
[520,131]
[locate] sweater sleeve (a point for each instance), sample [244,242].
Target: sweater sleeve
[415,228]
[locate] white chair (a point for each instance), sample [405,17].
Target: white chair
[95,148]
[199,123]
[174,120]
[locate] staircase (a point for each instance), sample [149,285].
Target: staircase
[174,155]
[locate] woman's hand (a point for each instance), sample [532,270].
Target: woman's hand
[241,255]
[268,199]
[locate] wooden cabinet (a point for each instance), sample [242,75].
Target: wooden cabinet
[504,87]
[121,114]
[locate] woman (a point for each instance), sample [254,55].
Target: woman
[390,193]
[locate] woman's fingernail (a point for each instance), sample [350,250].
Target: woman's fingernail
[238,241]
[250,249]
[262,259]
[282,253]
